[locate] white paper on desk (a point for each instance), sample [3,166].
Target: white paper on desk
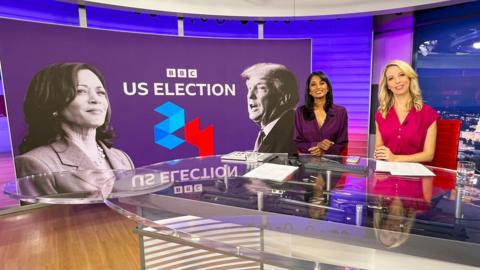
[270,171]
[403,168]
[384,166]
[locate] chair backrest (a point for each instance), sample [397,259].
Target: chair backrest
[446,149]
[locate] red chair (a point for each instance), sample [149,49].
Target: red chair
[446,149]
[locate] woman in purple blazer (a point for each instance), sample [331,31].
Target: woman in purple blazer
[321,127]
[67,112]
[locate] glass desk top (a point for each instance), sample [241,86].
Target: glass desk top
[84,187]
[324,200]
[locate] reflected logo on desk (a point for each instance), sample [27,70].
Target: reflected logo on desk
[188,189]
[163,131]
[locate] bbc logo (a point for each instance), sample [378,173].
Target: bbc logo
[181,73]
[187,189]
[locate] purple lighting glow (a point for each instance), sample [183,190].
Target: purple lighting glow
[342,49]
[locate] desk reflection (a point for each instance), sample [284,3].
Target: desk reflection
[398,201]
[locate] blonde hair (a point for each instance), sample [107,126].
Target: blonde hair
[385,95]
[401,233]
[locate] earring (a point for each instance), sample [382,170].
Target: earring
[55,114]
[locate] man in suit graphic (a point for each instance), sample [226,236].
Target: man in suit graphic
[271,98]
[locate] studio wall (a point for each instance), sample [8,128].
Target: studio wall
[170,97]
[111,19]
[49,11]
[342,48]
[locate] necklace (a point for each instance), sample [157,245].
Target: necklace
[100,159]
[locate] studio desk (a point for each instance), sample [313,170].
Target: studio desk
[202,213]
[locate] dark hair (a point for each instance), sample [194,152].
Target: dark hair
[50,91]
[307,110]
[281,78]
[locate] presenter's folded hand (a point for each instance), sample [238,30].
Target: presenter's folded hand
[384,153]
[315,151]
[325,144]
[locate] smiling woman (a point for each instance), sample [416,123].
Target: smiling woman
[321,127]
[406,128]
[67,112]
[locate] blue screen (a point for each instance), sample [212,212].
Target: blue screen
[447,59]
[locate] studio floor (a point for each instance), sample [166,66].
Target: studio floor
[68,237]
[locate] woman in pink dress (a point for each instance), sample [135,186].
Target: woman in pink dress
[406,128]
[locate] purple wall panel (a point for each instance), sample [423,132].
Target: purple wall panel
[210,27]
[130,21]
[342,49]
[393,40]
[50,11]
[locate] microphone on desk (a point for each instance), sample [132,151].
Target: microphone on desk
[294,159]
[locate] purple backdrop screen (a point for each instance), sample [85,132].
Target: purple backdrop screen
[199,75]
